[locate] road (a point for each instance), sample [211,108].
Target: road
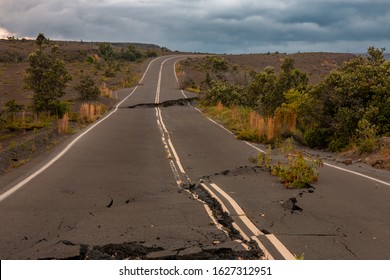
[155,179]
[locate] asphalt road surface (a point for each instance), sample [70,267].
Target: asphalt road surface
[156,179]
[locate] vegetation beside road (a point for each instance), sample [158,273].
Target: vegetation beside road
[348,110]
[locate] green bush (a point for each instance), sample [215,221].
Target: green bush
[316,138]
[358,90]
[251,135]
[367,139]
[298,172]
[60,108]
[87,88]
[227,94]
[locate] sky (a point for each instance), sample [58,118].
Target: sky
[215,26]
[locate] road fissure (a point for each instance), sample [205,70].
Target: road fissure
[216,202]
[168,103]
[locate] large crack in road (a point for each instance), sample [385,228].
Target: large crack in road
[167,103]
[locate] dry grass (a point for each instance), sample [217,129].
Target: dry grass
[271,127]
[63,124]
[250,125]
[105,91]
[90,112]
[220,107]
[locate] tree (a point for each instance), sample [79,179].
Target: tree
[47,77]
[13,107]
[227,94]
[131,54]
[357,92]
[263,91]
[270,88]
[106,50]
[87,88]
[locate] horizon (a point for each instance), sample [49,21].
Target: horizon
[386,54]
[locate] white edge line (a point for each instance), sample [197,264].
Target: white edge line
[357,173]
[254,147]
[177,80]
[221,126]
[18,186]
[197,109]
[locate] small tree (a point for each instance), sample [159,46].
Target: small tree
[87,89]
[13,107]
[47,77]
[106,50]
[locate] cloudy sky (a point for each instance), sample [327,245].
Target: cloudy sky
[222,26]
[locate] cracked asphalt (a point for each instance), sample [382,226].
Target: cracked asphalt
[113,194]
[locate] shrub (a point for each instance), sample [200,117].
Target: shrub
[316,137]
[251,135]
[12,107]
[359,89]
[367,139]
[60,108]
[227,94]
[90,59]
[297,172]
[87,88]
[106,50]
[265,160]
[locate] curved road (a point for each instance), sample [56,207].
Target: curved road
[153,181]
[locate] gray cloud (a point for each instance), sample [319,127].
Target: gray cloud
[209,26]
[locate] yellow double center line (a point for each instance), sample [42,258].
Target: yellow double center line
[253,231]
